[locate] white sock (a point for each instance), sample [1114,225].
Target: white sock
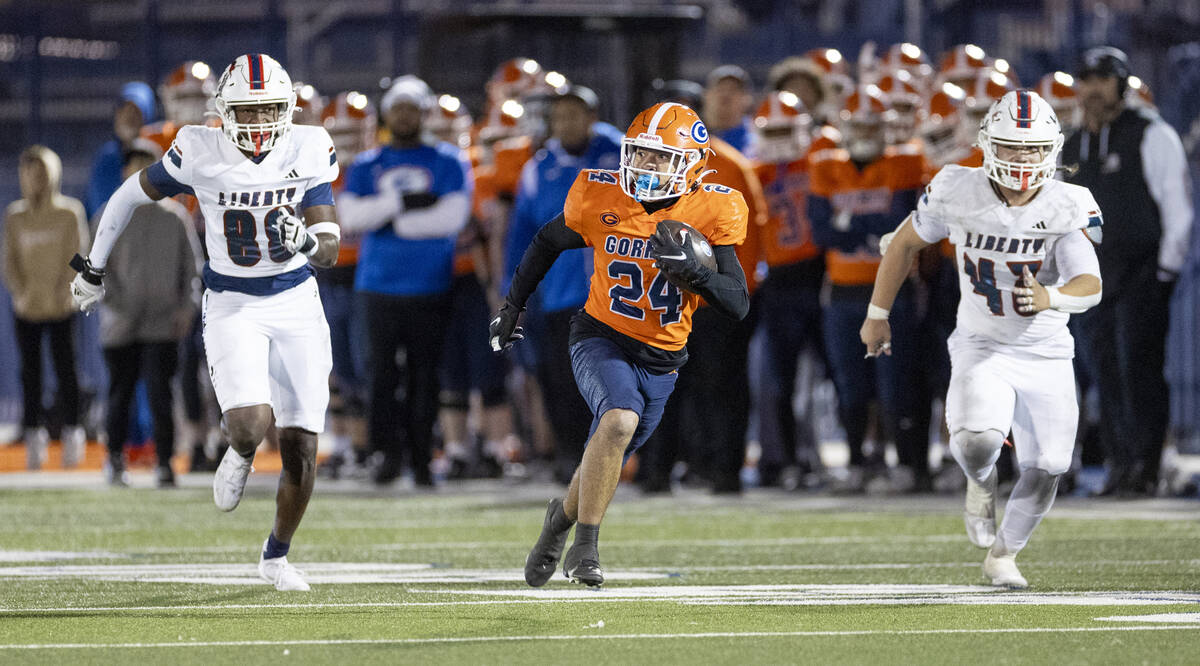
[1030,501]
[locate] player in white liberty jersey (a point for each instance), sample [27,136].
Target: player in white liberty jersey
[1023,243]
[264,187]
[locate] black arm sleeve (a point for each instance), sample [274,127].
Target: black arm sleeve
[550,241]
[725,289]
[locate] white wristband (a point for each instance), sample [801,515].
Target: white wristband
[876,312]
[1070,304]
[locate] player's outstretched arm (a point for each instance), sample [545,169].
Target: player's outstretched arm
[87,288]
[553,238]
[875,333]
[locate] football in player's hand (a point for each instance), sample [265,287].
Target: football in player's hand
[684,233]
[682,253]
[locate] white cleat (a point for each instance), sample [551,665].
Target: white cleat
[230,480]
[980,513]
[280,573]
[74,443]
[1003,572]
[37,446]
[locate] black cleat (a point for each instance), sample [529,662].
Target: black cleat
[583,566]
[543,559]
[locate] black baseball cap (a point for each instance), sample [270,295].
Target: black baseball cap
[1104,61]
[582,93]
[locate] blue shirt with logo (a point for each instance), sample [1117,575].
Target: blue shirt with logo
[387,263]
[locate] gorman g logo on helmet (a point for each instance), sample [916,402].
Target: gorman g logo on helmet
[699,132]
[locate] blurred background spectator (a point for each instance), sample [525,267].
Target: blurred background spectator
[42,231]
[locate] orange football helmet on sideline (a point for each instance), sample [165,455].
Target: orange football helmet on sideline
[836,69]
[187,93]
[783,127]
[904,99]
[664,153]
[309,104]
[988,86]
[862,124]
[961,64]
[514,78]
[908,57]
[939,125]
[351,123]
[1058,88]
[449,121]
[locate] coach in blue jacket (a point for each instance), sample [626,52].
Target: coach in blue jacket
[577,141]
[411,199]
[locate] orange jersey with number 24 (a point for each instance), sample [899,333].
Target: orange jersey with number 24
[627,292]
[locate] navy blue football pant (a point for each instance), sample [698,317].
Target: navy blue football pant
[893,379]
[609,379]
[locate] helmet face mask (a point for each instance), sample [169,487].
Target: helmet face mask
[651,171]
[664,153]
[250,81]
[1021,139]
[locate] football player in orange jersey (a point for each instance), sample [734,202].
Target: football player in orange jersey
[789,301]
[705,421]
[629,341]
[858,194]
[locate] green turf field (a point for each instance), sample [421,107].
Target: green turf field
[93,575]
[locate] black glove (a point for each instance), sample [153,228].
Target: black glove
[419,200]
[678,261]
[84,267]
[503,330]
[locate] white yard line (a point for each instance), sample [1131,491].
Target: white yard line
[776,595]
[490,639]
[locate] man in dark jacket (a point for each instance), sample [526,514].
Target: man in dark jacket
[1134,165]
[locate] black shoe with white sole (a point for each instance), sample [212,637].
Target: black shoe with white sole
[543,559]
[582,565]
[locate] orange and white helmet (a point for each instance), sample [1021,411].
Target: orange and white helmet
[501,121]
[862,126]
[255,79]
[783,127]
[514,79]
[835,68]
[987,87]
[939,125]
[664,153]
[449,121]
[351,123]
[1058,89]
[1001,65]
[1138,93]
[907,57]
[904,101]
[187,93]
[961,64]
[309,105]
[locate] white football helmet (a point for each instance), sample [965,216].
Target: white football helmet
[1021,119]
[250,80]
